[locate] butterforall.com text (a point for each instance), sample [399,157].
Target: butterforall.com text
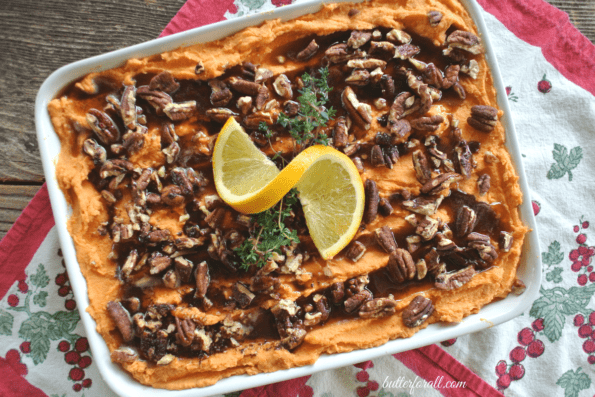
[418,383]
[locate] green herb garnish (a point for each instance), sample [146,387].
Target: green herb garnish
[304,128]
[270,233]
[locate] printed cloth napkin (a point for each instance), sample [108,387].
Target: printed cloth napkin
[549,70]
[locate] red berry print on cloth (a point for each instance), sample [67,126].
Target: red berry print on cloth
[278,3]
[536,207]
[544,86]
[13,358]
[43,331]
[364,377]
[530,346]
[305,391]
[511,96]
[448,342]
[565,161]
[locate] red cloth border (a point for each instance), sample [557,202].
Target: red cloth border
[431,362]
[288,388]
[549,28]
[13,384]
[195,13]
[24,238]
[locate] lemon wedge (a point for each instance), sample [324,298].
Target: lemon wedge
[330,187]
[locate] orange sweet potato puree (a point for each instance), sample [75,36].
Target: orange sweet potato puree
[262,45]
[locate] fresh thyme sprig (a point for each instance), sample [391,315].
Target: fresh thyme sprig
[313,114]
[270,233]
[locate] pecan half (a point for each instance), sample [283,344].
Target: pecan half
[451,75]
[518,287]
[450,281]
[417,312]
[338,53]
[262,75]
[220,115]
[360,112]
[103,126]
[464,159]
[423,173]
[483,118]
[165,82]
[128,107]
[355,251]
[433,264]
[368,63]
[401,266]
[357,300]
[185,331]
[482,244]
[465,221]
[372,198]
[203,279]
[340,133]
[243,86]
[180,111]
[434,17]
[158,99]
[431,123]
[358,38]
[439,183]
[308,52]
[378,307]
[403,105]
[386,239]
[220,94]
[121,317]
[505,241]
[465,41]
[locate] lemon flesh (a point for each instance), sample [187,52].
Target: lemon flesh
[331,193]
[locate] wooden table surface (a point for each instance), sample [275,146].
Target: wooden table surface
[37,37]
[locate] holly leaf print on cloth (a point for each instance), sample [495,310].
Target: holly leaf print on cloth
[6,320]
[573,382]
[565,162]
[553,256]
[557,303]
[555,275]
[40,299]
[40,278]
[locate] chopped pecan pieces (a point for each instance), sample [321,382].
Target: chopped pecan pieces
[406,51]
[159,262]
[184,268]
[423,205]
[417,312]
[384,207]
[378,307]
[358,77]
[123,355]
[338,53]
[398,36]
[355,251]
[95,151]
[180,111]
[439,183]
[158,99]
[358,39]
[220,94]
[220,115]
[308,52]
[376,156]
[450,281]
[122,319]
[505,241]
[401,266]
[451,76]
[431,123]
[483,184]
[372,198]
[242,295]
[386,239]
[340,133]
[483,118]
[103,126]
[369,63]
[262,74]
[518,287]
[464,159]
[172,195]
[337,292]
[128,107]
[472,69]
[282,86]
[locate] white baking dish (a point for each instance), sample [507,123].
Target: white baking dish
[492,314]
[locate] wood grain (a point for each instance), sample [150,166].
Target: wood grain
[37,37]
[13,198]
